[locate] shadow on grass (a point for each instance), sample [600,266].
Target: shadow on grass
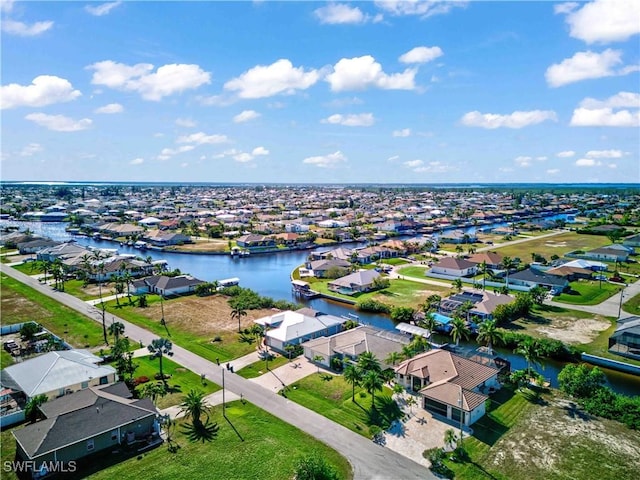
[574,411]
[234,428]
[537,319]
[201,432]
[386,410]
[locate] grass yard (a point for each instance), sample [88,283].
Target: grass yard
[180,383]
[89,292]
[5,359]
[269,450]
[260,367]
[588,292]
[558,245]
[633,305]
[193,323]
[401,293]
[30,268]
[394,261]
[415,272]
[21,303]
[330,396]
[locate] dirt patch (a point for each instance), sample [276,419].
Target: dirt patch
[206,316]
[204,246]
[574,330]
[549,439]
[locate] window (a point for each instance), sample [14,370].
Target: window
[90,445]
[104,380]
[84,385]
[114,435]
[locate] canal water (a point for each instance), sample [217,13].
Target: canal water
[269,275]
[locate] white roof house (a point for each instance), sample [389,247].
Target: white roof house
[57,373]
[588,264]
[291,327]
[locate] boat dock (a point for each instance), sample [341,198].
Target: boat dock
[302,288]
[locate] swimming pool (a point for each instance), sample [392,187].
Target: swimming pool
[441,318]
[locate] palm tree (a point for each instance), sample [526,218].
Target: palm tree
[126,278]
[420,344]
[153,390]
[353,376]
[318,359]
[459,329]
[46,267]
[464,309]
[488,332]
[483,270]
[237,313]
[393,358]
[32,408]
[429,323]
[530,350]
[407,351]
[373,382]
[160,347]
[507,264]
[450,437]
[367,362]
[116,329]
[411,401]
[457,284]
[194,407]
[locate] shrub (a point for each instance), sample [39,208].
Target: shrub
[140,380]
[373,306]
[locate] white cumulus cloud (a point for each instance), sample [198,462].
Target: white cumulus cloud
[619,100]
[166,80]
[517,119]
[421,8]
[340,14]
[360,73]
[553,171]
[259,151]
[245,116]
[604,21]
[421,55]
[103,9]
[405,132]
[137,161]
[587,65]
[202,138]
[606,154]
[59,123]
[565,154]
[281,77]
[351,120]
[30,150]
[185,122]
[565,7]
[413,163]
[604,117]
[44,90]
[331,160]
[523,161]
[587,162]
[21,29]
[110,108]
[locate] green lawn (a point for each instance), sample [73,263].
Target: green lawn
[633,305]
[5,359]
[415,272]
[180,383]
[260,367]
[225,350]
[250,444]
[401,293]
[588,292]
[394,261]
[21,303]
[330,396]
[30,268]
[78,290]
[557,244]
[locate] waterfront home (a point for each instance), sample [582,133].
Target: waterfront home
[455,267]
[62,251]
[350,344]
[166,286]
[449,385]
[319,268]
[94,420]
[55,374]
[34,245]
[340,253]
[625,340]
[632,240]
[356,282]
[163,239]
[458,237]
[295,327]
[120,229]
[252,241]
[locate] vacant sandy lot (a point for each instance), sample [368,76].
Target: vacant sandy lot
[204,316]
[574,330]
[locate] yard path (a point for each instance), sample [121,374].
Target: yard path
[369,461]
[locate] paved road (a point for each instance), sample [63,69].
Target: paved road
[369,461]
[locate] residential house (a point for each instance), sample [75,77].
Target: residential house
[625,340]
[164,239]
[457,237]
[350,344]
[357,282]
[338,253]
[493,260]
[319,268]
[35,245]
[94,420]
[570,273]
[166,286]
[608,254]
[531,277]
[296,327]
[55,374]
[587,264]
[632,241]
[450,385]
[252,241]
[455,267]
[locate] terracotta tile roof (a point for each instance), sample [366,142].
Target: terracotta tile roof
[450,394]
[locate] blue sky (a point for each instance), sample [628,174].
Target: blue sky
[389,91]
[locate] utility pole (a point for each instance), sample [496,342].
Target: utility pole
[223,404]
[620,305]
